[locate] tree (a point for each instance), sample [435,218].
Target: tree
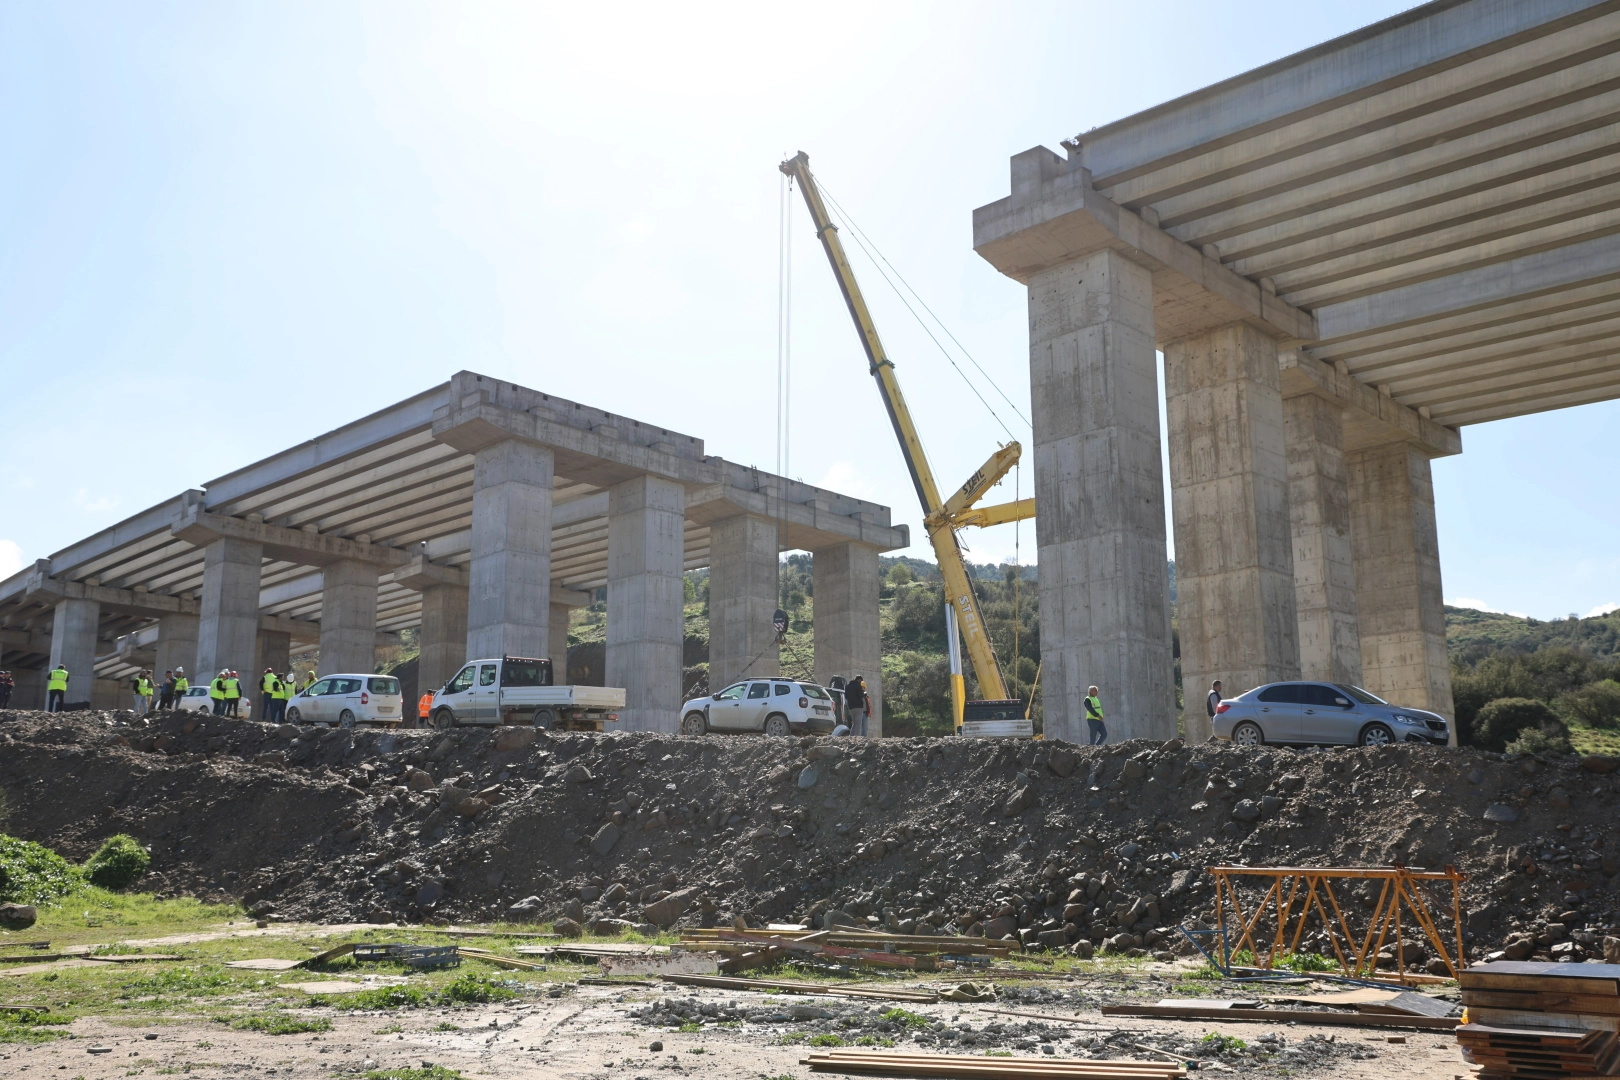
[1503,720]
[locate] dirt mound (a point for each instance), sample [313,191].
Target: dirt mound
[919,834]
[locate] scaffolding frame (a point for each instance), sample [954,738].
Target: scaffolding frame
[1400,891]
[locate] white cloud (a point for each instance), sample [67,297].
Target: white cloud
[11,558]
[1601,609]
[848,478]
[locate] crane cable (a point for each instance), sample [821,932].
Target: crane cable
[879,261]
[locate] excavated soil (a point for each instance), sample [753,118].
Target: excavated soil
[976,836]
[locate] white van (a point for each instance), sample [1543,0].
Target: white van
[347,700]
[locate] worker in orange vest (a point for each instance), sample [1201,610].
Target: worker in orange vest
[423,708]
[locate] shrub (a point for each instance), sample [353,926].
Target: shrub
[1501,721]
[118,863]
[32,874]
[473,989]
[1595,704]
[280,1024]
[1534,740]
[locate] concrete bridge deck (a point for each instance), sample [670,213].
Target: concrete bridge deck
[478,511]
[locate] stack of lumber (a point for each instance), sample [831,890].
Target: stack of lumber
[1541,1020]
[879,1063]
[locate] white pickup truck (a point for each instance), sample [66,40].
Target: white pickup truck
[518,690]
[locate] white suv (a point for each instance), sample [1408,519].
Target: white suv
[774,706]
[346,700]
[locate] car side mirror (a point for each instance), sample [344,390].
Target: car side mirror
[715,696]
[1341,702]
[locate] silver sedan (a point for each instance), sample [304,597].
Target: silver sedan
[1316,714]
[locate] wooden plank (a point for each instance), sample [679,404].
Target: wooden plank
[1283,1016]
[1481,1014]
[988,1068]
[1543,1001]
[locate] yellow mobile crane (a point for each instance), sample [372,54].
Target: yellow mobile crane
[941,517]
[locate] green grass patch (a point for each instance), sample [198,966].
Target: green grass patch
[34,874]
[471,989]
[1593,740]
[445,1025]
[792,1038]
[1216,1043]
[280,1024]
[874,1040]
[690,1027]
[826,1040]
[382,997]
[32,1027]
[697,1050]
[432,1072]
[907,1019]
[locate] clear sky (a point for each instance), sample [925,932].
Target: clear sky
[230,227]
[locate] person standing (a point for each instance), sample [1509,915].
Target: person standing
[216,692]
[1094,718]
[857,705]
[1213,702]
[424,710]
[233,695]
[6,684]
[142,685]
[181,685]
[166,692]
[268,684]
[56,684]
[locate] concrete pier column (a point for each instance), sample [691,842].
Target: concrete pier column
[274,652]
[847,637]
[1104,582]
[348,616]
[1324,563]
[228,624]
[1229,495]
[557,638]
[444,636]
[509,579]
[743,579]
[177,645]
[645,626]
[73,643]
[1398,595]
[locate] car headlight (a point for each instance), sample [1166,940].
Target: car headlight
[1410,721]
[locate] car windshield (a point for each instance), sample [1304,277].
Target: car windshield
[813,691]
[383,686]
[1361,695]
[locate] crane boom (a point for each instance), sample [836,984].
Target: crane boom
[939,517]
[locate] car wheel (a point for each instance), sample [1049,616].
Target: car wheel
[293,717]
[544,719]
[444,719]
[1376,735]
[346,719]
[694,724]
[777,726]
[1248,734]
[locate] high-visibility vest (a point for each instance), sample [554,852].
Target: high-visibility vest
[58,678]
[278,689]
[216,689]
[233,688]
[423,706]
[143,687]
[181,686]
[1093,708]
[268,683]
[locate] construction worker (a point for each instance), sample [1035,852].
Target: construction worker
[142,685]
[6,684]
[268,685]
[1094,718]
[181,685]
[166,691]
[56,684]
[309,681]
[216,692]
[233,694]
[857,705]
[1213,702]
[424,709]
[278,700]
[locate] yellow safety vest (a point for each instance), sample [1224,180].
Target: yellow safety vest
[216,689]
[58,679]
[181,685]
[278,690]
[233,688]
[268,683]
[143,687]
[1094,712]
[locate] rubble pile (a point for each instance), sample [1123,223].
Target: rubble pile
[1057,845]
